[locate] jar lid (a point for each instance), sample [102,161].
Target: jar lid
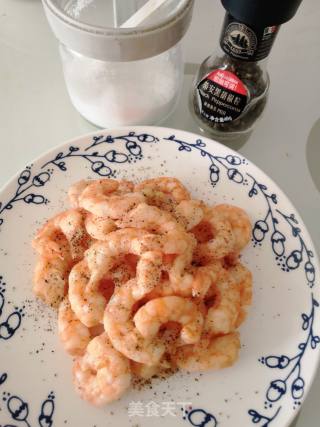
[262,13]
[118,44]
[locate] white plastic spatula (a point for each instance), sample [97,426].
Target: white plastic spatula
[143,13]
[122,10]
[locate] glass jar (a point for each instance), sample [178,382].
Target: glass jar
[110,93]
[120,76]
[231,87]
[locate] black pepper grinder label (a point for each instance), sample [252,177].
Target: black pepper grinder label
[240,41]
[222,96]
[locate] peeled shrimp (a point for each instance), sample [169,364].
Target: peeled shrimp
[193,281]
[171,187]
[240,223]
[124,270]
[201,280]
[75,190]
[173,237]
[150,317]
[149,269]
[149,218]
[109,198]
[209,353]
[189,287]
[85,299]
[243,279]
[98,227]
[100,262]
[223,241]
[223,314]
[64,236]
[231,230]
[50,281]
[148,371]
[122,332]
[189,213]
[102,374]
[103,256]
[143,371]
[159,199]
[74,335]
[190,276]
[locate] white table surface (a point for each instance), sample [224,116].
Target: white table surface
[36,113]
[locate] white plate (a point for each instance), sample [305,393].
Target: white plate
[279,351]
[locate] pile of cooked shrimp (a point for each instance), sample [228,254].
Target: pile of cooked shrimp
[145,278]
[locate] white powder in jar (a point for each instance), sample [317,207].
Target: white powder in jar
[123,93]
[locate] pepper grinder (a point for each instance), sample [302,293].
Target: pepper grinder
[231,87]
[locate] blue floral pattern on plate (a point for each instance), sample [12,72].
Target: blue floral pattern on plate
[199,417]
[19,410]
[16,407]
[292,381]
[12,322]
[275,224]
